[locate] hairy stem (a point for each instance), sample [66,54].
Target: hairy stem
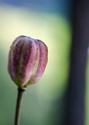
[18,105]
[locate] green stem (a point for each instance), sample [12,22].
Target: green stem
[18,105]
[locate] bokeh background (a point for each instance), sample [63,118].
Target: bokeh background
[50,21]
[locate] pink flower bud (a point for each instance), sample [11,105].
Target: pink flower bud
[27,60]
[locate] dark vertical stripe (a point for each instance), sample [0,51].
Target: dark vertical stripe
[76,86]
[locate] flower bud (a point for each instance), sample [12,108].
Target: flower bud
[27,60]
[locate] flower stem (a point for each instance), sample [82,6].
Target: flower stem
[18,105]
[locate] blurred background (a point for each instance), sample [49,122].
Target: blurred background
[50,21]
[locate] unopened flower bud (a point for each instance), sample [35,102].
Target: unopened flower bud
[27,60]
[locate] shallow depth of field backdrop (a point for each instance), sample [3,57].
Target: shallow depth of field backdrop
[48,20]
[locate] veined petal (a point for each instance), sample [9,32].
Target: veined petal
[31,80]
[41,62]
[14,57]
[27,60]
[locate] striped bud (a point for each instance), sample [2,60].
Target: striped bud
[27,60]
